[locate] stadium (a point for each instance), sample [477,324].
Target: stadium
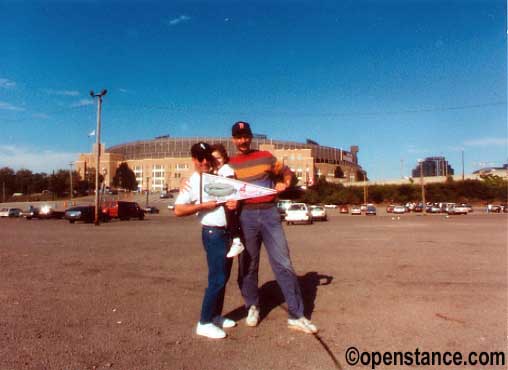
[161,163]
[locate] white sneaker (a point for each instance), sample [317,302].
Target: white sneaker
[223,322]
[236,248]
[302,324]
[252,317]
[210,331]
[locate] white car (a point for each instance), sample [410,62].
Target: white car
[399,209]
[10,212]
[318,213]
[298,212]
[356,210]
[458,210]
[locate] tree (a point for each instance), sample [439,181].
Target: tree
[125,177]
[7,182]
[24,181]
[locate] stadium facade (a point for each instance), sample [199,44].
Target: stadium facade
[162,163]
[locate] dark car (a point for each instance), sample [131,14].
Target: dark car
[151,209]
[83,213]
[371,211]
[166,195]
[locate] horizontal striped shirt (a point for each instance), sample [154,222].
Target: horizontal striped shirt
[259,168]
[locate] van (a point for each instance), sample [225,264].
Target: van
[123,210]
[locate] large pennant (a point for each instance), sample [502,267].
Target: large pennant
[223,189]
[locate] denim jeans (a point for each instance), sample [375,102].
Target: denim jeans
[216,244]
[264,226]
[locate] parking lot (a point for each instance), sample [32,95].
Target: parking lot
[127,295]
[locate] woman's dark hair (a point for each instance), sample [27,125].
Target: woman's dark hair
[222,150]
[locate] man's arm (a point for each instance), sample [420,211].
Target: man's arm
[287,176]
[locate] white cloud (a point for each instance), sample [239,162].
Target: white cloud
[125,91]
[8,106]
[18,157]
[180,19]
[7,84]
[61,92]
[82,103]
[487,141]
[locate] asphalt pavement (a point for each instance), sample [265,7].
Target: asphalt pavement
[127,295]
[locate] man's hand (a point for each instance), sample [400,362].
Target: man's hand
[280,187]
[207,206]
[231,204]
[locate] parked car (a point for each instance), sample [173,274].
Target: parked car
[44,212]
[298,212]
[166,195]
[363,207]
[318,213]
[468,206]
[282,207]
[433,208]
[418,208]
[389,208]
[493,208]
[123,210]
[371,211]
[83,213]
[458,210]
[356,210]
[151,209]
[10,212]
[344,209]
[399,209]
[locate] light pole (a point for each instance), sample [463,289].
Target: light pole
[423,187]
[70,174]
[147,189]
[98,145]
[364,187]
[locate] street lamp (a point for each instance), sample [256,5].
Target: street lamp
[98,145]
[422,186]
[70,174]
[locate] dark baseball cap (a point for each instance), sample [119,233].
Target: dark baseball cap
[201,151]
[241,129]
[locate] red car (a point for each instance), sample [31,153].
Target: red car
[123,210]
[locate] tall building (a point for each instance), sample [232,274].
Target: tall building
[163,162]
[433,166]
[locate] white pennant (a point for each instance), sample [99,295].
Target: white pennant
[223,189]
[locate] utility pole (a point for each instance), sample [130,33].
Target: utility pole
[98,145]
[423,187]
[364,187]
[401,168]
[147,190]
[3,192]
[70,174]
[462,164]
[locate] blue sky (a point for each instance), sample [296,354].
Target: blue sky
[403,79]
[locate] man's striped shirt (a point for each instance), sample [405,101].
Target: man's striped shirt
[259,168]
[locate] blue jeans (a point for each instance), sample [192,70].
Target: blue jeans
[216,244]
[264,226]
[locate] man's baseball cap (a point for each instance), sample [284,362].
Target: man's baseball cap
[201,151]
[241,129]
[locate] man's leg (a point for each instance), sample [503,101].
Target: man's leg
[249,259]
[280,261]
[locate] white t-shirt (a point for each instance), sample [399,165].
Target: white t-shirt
[226,171]
[214,217]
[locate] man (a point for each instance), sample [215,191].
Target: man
[260,222]
[216,242]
